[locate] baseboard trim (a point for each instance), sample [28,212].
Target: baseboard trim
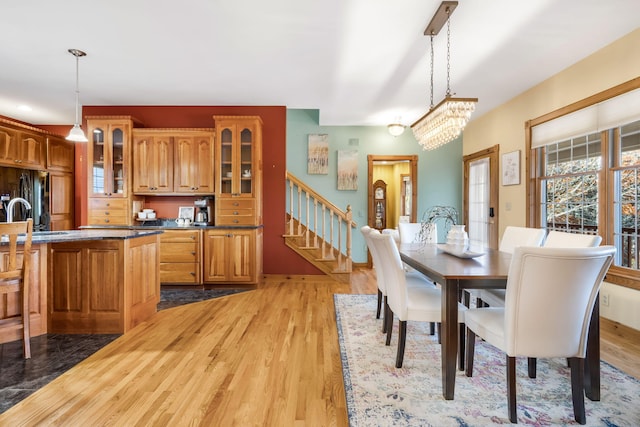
[298,277]
[618,329]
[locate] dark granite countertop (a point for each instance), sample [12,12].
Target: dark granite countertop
[40,237]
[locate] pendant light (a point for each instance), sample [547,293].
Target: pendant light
[444,122]
[76,134]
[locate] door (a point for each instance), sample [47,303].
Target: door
[481,197]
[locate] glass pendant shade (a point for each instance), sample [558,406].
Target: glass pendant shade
[396,129]
[444,122]
[76,134]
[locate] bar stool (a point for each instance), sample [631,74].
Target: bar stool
[15,277]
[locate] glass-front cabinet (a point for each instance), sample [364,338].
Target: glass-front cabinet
[107,154]
[239,170]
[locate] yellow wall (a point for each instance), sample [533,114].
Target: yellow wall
[615,64]
[390,174]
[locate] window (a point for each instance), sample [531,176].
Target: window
[590,183]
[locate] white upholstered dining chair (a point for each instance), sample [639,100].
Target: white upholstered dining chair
[413,279]
[573,277]
[561,239]
[409,303]
[511,239]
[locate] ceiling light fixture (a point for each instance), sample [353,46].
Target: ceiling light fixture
[396,129]
[444,122]
[76,134]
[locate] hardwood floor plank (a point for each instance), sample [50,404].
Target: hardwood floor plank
[264,357]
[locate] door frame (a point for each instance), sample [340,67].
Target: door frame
[492,153]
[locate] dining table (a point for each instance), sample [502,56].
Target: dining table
[483,269]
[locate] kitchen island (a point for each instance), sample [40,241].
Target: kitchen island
[89,281]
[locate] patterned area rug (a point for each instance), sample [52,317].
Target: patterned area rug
[378,394]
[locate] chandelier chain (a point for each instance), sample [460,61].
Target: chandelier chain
[431,105]
[448,94]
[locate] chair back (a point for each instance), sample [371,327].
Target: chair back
[394,233]
[411,232]
[561,239]
[367,232]
[520,236]
[393,272]
[13,272]
[550,295]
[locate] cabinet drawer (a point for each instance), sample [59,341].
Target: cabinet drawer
[235,220]
[236,212]
[235,204]
[179,236]
[107,218]
[171,272]
[108,204]
[179,252]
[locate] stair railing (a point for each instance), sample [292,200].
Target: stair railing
[312,217]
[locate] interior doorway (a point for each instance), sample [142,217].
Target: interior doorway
[400,174]
[481,197]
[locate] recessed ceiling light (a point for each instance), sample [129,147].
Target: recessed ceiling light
[24,107]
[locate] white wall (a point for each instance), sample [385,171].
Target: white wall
[615,64]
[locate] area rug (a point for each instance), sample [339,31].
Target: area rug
[379,394]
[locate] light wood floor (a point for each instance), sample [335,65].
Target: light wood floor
[267,357]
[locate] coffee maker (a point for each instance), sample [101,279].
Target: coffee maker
[204,211]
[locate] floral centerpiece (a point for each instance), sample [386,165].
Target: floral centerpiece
[446,214]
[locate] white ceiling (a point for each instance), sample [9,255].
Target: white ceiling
[360,62]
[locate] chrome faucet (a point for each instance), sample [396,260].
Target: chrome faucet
[12,203]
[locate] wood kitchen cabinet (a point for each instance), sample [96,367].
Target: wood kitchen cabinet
[22,147]
[152,161]
[233,256]
[173,161]
[61,201]
[239,165]
[60,154]
[109,166]
[194,163]
[180,255]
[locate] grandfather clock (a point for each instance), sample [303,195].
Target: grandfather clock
[380,205]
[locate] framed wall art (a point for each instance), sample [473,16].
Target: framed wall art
[318,156]
[511,168]
[348,170]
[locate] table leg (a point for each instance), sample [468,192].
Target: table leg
[592,362]
[449,335]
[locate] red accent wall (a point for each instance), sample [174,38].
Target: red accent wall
[278,258]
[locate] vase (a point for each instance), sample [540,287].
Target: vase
[458,237]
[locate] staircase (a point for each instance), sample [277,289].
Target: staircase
[318,230]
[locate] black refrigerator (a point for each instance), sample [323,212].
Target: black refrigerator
[31,185]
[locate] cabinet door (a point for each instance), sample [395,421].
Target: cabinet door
[242,258]
[8,146]
[60,155]
[215,256]
[152,164]
[194,164]
[31,150]
[61,200]
[108,157]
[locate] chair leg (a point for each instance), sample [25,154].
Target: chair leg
[511,389]
[379,304]
[532,364]
[577,389]
[461,347]
[402,337]
[389,324]
[432,328]
[471,346]
[26,324]
[385,312]
[439,333]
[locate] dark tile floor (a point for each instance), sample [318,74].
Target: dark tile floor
[53,354]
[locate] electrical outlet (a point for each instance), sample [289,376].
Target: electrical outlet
[604,299]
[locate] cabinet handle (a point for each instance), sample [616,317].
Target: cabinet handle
[229,235]
[106,212]
[193,253]
[106,220]
[235,212]
[236,221]
[193,237]
[193,273]
[236,204]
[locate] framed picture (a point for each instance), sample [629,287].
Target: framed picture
[348,170]
[186,212]
[511,168]
[318,156]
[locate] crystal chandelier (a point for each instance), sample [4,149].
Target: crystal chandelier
[444,122]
